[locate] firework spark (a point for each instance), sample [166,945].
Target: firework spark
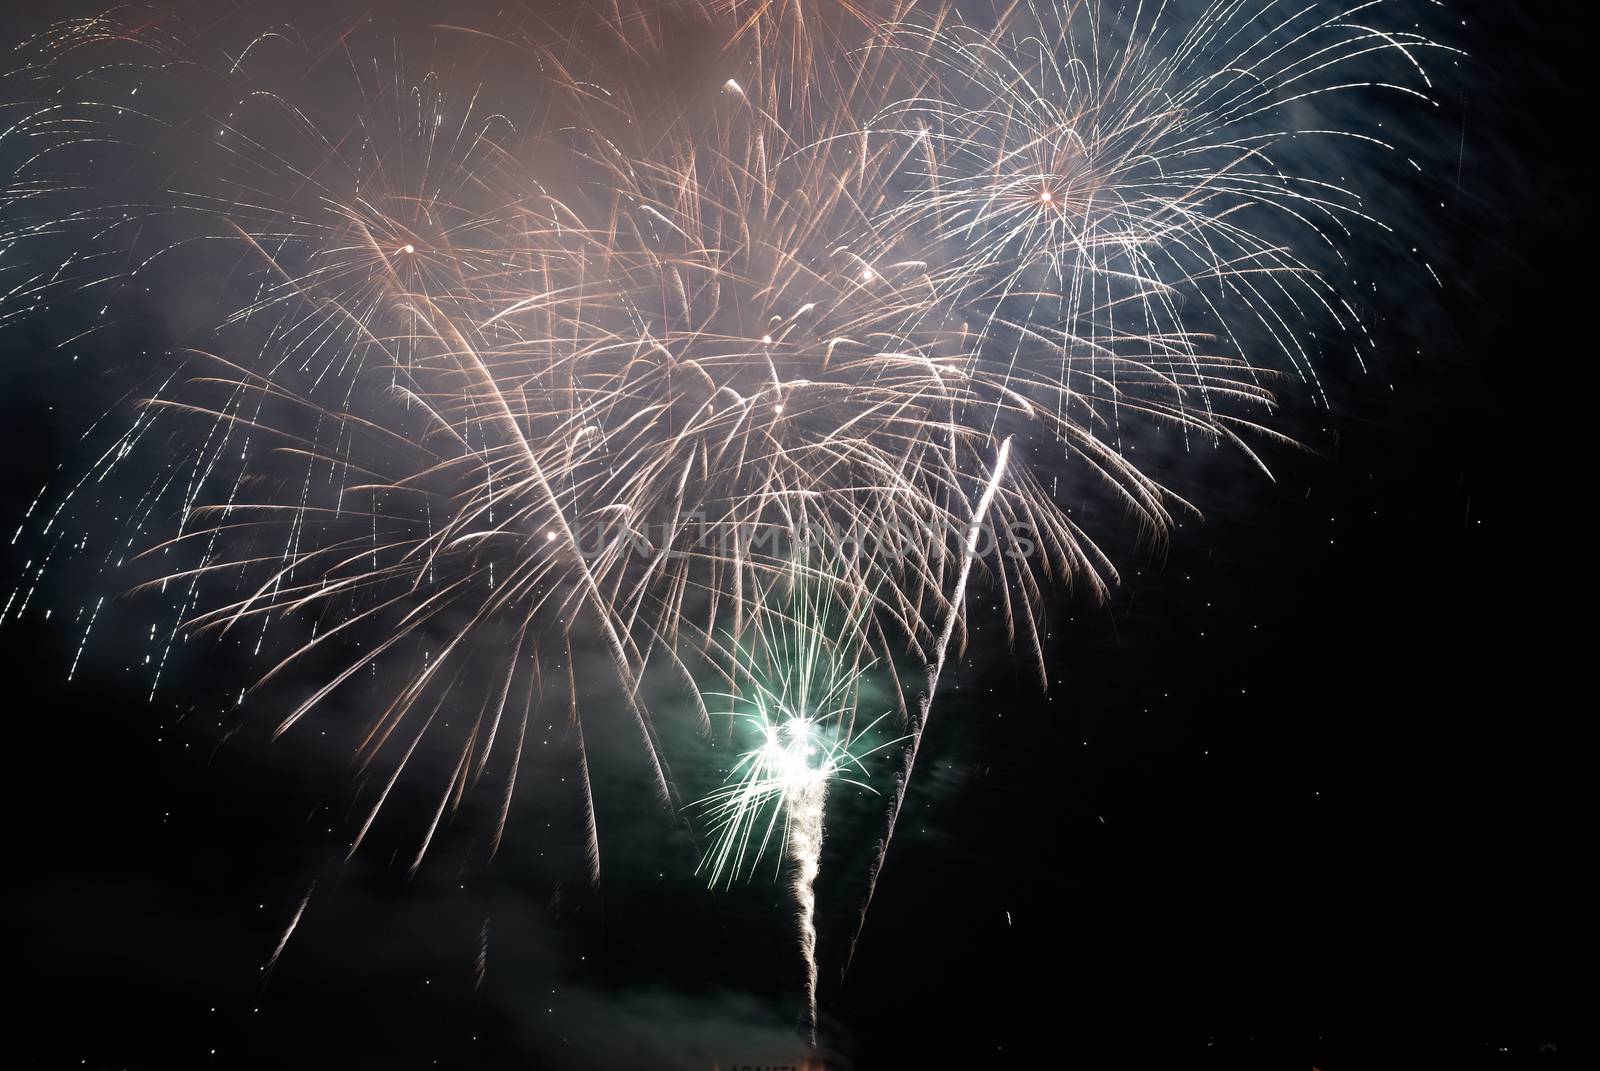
[797,705]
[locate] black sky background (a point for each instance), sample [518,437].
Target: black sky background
[1303,794]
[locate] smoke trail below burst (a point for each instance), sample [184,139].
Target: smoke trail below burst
[805,852]
[797,690]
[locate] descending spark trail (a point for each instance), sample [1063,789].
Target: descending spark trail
[288,932]
[919,722]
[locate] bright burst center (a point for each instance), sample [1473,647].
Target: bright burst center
[791,753]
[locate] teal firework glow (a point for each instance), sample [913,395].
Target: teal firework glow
[794,711]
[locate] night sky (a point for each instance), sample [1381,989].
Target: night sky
[1302,793]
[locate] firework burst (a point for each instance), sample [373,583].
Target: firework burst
[799,691]
[523,335]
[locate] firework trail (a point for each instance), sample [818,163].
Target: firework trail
[931,685]
[804,807]
[522,338]
[288,932]
[799,689]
